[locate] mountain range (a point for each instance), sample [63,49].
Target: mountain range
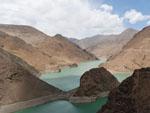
[135,54]
[105,46]
[44,52]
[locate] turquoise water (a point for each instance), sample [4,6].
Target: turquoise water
[67,79]
[66,107]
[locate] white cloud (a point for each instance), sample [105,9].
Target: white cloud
[135,16]
[107,7]
[72,18]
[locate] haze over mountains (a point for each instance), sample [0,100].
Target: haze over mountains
[43,52]
[104,46]
[135,54]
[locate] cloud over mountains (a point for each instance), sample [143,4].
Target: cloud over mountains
[71,18]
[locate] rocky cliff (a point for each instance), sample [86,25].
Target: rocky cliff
[132,95]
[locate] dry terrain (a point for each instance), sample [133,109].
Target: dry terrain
[105,46]
[44,52]
[19,81]
[132,95]
[135,54]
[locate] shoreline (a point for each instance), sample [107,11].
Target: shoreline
[11,108]
[85,99]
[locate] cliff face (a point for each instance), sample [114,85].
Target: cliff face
[135,54]
[18,81]
[132,95]
[96,81]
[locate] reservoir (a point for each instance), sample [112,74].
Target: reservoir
[68,79]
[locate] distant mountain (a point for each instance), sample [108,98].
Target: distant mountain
[43,52]
[135,54]
[19,82]
[106,45]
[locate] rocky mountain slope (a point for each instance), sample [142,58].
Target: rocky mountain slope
[132,95]
[18,81]
[27,52]
[61,48]
[60,51]
[96,81]
[106,45]
[135,54]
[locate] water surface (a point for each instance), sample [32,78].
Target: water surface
[67,79]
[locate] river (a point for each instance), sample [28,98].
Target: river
[68,79]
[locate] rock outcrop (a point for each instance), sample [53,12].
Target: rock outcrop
[19,81]
[94,82]
[132,95]
[135,54]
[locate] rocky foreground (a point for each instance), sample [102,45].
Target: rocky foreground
[132,95]
[93,84]
[19,82]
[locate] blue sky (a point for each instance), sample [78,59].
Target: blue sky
[121,6]
[77,18]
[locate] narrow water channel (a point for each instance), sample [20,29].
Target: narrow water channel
[67,79]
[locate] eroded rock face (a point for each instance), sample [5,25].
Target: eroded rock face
[18,81]
[96,81]
[132,96]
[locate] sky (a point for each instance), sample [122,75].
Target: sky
[77,18]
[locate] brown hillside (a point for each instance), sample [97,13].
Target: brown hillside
[18,81]
[135,54]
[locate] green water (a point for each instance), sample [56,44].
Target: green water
[66,107]
[67,79]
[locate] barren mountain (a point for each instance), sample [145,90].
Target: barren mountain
[56,51]
[135,54]
[62,48]
[18,81]
[106,45]
[27,52]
